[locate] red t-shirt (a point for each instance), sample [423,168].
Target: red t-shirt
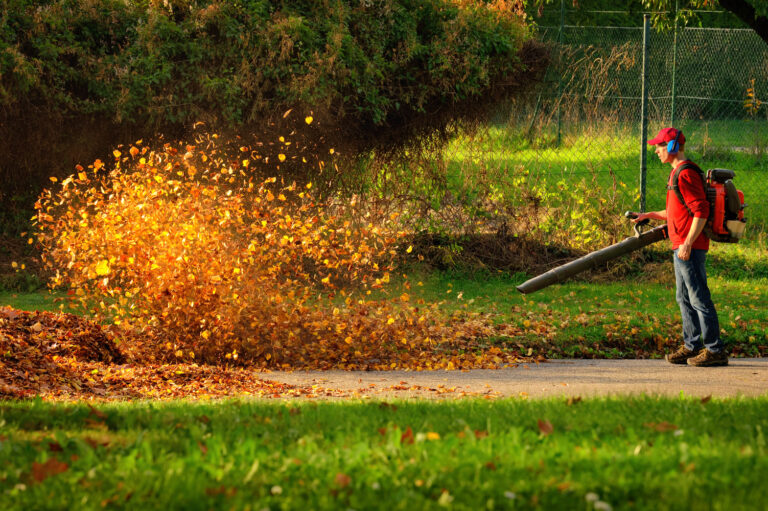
[678,220]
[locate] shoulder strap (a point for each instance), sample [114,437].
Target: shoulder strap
[675,187]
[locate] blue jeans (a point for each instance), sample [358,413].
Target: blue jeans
[700,324]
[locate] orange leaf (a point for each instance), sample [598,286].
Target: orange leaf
[663,426]
[42,471]
[343,480]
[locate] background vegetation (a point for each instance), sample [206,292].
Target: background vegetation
[78,78]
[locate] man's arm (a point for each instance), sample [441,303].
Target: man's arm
[684,250]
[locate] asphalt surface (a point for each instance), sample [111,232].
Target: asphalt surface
[584,378]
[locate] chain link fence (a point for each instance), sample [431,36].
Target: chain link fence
[582,128]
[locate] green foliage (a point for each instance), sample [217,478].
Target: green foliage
[184,61]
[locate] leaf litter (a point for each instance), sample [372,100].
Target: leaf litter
[62,356]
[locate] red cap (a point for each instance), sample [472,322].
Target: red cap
[667,135]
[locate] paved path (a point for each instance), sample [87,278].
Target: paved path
[745,376]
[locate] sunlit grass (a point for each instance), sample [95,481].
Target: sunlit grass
[631,453]
[610,159]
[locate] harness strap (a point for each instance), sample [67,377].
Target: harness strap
[675,187]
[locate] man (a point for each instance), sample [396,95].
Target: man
[685,222]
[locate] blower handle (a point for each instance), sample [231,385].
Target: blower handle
[632,215]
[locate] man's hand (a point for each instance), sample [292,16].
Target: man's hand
[652,215]
[684,251]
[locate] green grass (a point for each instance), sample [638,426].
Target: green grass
[632,453]
[611,157]
[32,301]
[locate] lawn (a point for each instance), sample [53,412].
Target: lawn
[610,159]
[633,453]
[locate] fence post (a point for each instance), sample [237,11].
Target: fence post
[674,65]
[560,75]
[644,110]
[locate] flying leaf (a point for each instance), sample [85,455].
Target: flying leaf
[102,268]
[545,427]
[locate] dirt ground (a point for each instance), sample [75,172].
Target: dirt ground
[566,378]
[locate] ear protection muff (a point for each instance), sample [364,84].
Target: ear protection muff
[673,147]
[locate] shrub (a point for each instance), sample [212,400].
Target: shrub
[174,62]
[78,77]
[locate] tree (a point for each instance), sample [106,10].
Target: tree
[752,12]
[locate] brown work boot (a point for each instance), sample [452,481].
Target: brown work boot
[706,358]
[682,355]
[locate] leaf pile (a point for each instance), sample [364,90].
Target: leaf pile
[66,356]
[33,346]
[63,356]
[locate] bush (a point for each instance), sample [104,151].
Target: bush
[175,62]
[77,77]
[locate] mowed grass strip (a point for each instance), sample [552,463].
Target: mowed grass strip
[634,453]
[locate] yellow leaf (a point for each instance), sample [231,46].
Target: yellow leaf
[281,157]
[53,179]
[348,340]
[102,268]
[308,119]
[205,334]
[409,249]
[116,153]
[390,321]
[14,264]
[433,436]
